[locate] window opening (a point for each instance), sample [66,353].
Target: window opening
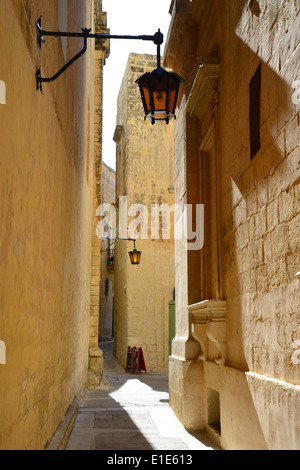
[213,409]
[255,111]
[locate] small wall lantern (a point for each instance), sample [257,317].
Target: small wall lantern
[134,255]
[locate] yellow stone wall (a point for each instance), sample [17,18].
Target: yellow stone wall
[102,47]
[145,176]
[246,357]
[46,168]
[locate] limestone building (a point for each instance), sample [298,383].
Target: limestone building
[107,263]
[48,179]
[234,369]
[145,178]
[102,50]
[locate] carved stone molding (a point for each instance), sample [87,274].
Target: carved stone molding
[208,327]
[100,18]
[203,91]
[118,134]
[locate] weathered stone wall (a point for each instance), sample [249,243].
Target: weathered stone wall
[145,176]
[257,222]
[260,203]
[46,162]
[95,373]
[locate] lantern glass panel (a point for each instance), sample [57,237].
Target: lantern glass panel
[159,90]
[135,256]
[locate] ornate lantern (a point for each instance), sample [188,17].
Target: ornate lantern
[159,91]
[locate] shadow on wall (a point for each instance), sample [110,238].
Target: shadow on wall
[260,238]
[262,261]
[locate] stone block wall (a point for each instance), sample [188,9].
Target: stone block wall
[260,205]
[257,223]
[50,153]
[45,180]
[95,373]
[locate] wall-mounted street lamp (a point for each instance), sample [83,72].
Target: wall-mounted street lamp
[134,255]
[159,89]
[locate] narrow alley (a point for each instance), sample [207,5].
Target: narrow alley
[149,222]
[131,413]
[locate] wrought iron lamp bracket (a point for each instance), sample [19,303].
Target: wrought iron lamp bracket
[86,34]
[39,78]
[115,241]
[135,255]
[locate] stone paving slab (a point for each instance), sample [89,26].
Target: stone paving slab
[132,413]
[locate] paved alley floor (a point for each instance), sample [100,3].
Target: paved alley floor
[131,413]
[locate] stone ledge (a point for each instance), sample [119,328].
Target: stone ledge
[203,90]
[61,436]
[208,310]
[208,327]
